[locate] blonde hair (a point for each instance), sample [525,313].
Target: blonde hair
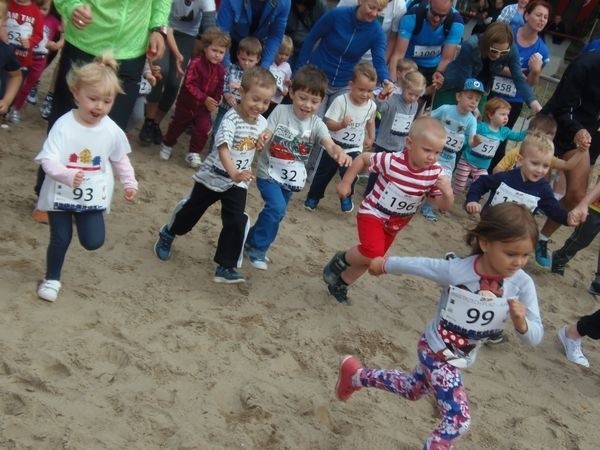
[413,80]
[365,69]
[258,76]
[427,127]
[101,71]
[406,65]
[287,44]
[537,141]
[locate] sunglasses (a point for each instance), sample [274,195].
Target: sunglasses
[436,14]
[495,51]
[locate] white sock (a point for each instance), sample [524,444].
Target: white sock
[543,237]
[356,379]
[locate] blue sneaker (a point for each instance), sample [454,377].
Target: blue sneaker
[310,204]
[346,204]
[162,247]
[227,275]
[428,213]
[541,254]
[258,259]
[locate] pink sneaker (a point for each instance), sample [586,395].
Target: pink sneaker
[348,367]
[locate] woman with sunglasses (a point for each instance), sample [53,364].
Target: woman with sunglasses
[484,57]
[534,56]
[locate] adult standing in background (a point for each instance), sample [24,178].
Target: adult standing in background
[484,56]
[187,21]
[303,15]
[514,14]
[429,33]
[263,19]
[534,55]
[339,39]
[575,105]
[389,19]
[130,29]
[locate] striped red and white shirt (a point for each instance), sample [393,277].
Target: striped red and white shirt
[396,178]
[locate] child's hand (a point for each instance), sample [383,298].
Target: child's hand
[517,311]
[346,121]
[443,184]
[437,80]
[156,71]
[151,79]
[387,89]
[368,142]
[262,140]
[343,159]
[24,42]
[577,215]
[583,139]
[376,266]
[230,99]
[78,179]
[130,195]
[343,189]
[244,175]
[477,139]
[473,208]
[234,86]
[211,104]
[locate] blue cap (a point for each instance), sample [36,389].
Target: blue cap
[472,84]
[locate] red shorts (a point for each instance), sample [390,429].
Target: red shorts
[377,235]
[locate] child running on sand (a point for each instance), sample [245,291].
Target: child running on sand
[293,131]
[224,176]
[404,180]
[480,293]
[78,158]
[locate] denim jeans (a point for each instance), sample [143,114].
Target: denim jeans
[264,231]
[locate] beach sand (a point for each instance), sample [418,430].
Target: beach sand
[138,353]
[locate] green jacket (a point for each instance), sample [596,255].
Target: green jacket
[122,26]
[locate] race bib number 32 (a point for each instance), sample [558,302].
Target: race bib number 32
[288,173]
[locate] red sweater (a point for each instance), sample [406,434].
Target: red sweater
[24,22]
[202,79]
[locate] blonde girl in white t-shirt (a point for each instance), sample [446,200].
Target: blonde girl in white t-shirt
[78,157]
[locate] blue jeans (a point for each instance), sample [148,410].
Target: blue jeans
[264,231]
[90,229]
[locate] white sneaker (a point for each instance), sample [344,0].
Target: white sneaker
[48,290]
[572,348]
[165,152]
[14,115]
[194,160]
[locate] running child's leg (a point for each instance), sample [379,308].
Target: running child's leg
[581,237]
[61,233]
[461,175]
[323,175]
[233,204]
[90,229]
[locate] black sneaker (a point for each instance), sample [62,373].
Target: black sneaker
[156,134]
[498,338]
[147,132]
[227,275]
[559,262]
[162,247]
[339,291]
[334,268]
[595,286]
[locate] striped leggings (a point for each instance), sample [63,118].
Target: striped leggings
[462,172]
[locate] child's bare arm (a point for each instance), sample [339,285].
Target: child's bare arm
[446,200]
[370,134]
[235,174]
[344,187]
[571,163]
[336,152]
[333,125]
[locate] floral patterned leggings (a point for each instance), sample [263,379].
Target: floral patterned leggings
[433,375]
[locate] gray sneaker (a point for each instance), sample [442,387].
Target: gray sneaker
[227,275]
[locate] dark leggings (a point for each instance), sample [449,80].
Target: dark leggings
[590,326]
[90,230]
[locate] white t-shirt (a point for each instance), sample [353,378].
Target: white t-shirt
[89,149]
[352,137]
[281,73]
[240,137]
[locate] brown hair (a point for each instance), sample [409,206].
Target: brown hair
[311,79]
[504,222]
[493,105]
[215,36]
[365,69]
[258,76]
[535,3]
[495,33]
[251,46]
[543,123]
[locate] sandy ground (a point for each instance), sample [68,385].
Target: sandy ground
[140,354]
